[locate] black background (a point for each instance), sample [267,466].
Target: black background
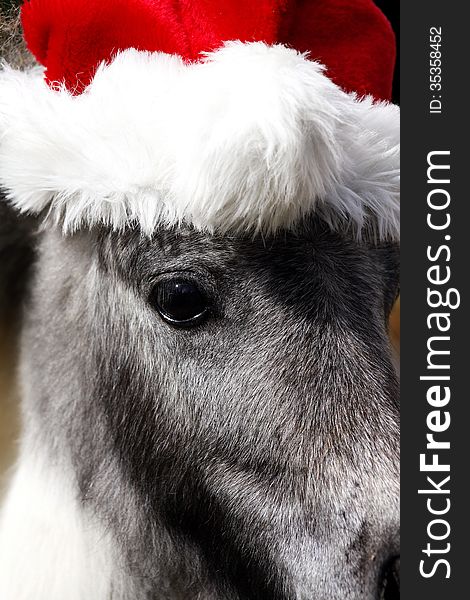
[391,9]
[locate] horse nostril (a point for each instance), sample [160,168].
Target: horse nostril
[389,586]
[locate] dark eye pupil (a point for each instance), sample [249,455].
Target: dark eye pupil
[180,302]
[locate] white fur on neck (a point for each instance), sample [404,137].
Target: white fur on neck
[50,549]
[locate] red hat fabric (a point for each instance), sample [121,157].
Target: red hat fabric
[351,37]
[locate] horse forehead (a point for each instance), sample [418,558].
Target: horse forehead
[312,252]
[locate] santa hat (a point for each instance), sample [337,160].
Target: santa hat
[216,113]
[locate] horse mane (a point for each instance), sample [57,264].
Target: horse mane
[13,49]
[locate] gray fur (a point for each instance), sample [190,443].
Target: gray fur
[255,456]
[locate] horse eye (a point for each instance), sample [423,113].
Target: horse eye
[180,302]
